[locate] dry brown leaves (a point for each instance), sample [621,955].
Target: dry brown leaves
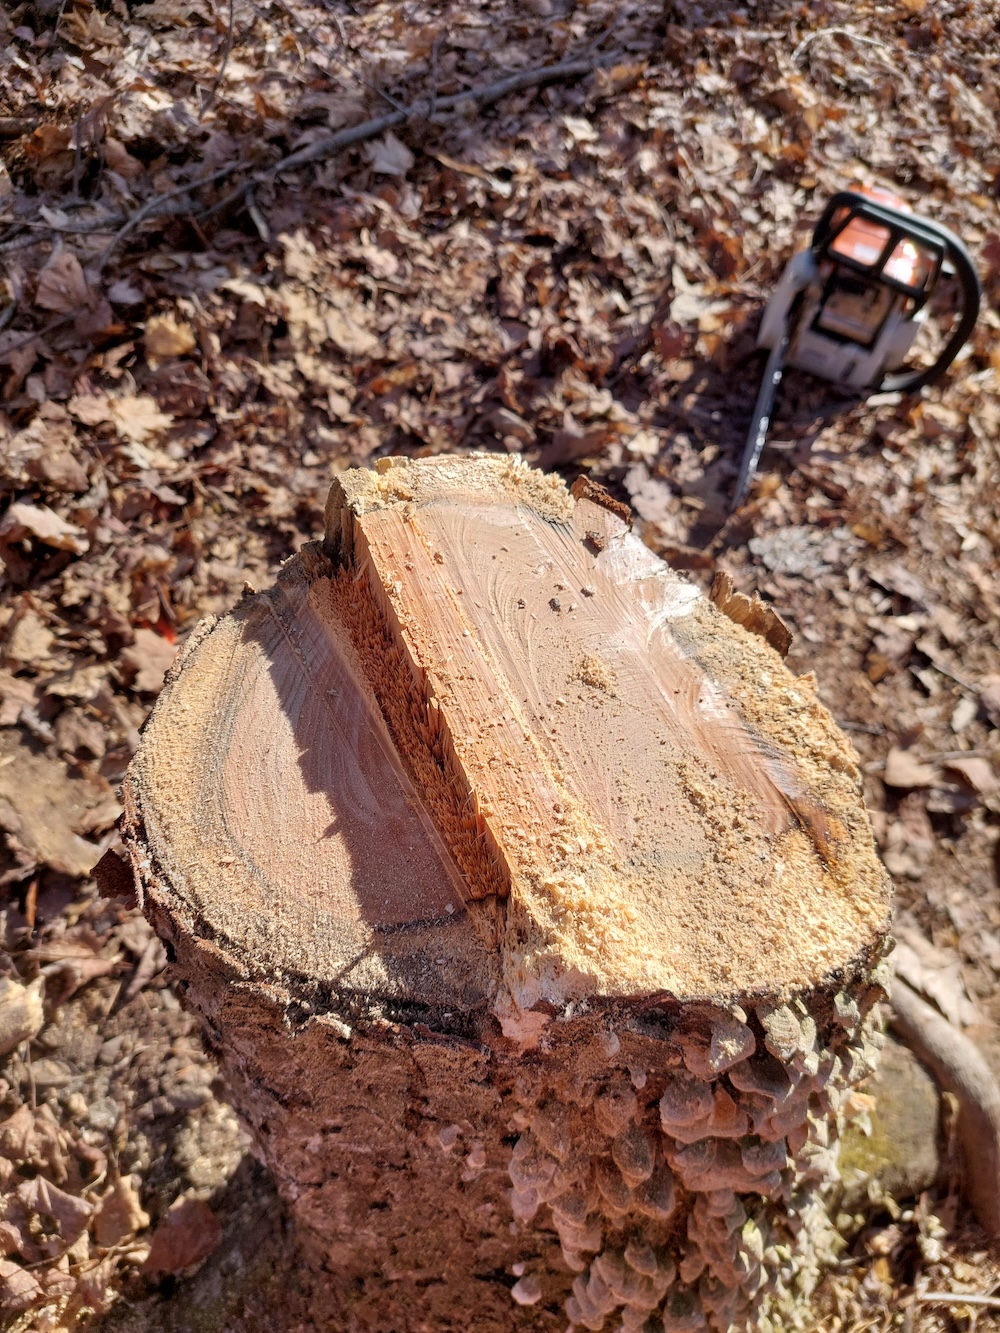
[574,273]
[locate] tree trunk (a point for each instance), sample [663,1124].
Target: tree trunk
[531,906]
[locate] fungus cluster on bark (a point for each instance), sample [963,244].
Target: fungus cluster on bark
[531,905]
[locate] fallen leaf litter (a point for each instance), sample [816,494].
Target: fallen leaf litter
[573,272]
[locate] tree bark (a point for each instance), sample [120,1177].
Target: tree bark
[531,906]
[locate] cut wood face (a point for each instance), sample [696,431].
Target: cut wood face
[492,737]
[659,803]
[277,810]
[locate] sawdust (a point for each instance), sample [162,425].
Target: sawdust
[427,480]
[592,671]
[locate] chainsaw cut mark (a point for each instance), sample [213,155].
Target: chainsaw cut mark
[665,834]
[411,709]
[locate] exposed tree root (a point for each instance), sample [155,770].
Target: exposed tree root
[961,1069]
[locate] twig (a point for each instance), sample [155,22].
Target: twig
[434,76]
[39,234]
[961,1069]
[21,243]
[386,97]
[59,17]
[481,97]
[77,154]
[38,333]
[958,1298]
[836,32]
[13,127]
[597,42]
[369,129]
[227,50]
[154,207]
[347,138]
[257,217]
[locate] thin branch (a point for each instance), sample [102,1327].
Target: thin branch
[165,204]
[38,333]
[330,144]
[961,1069]
[77,155]
[597,42]
[38,234]
[836,32]
[155,207]
[480,97]
[958,1298]
[21,243]
[227,51]
[434,76]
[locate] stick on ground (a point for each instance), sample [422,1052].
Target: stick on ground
[961,1069]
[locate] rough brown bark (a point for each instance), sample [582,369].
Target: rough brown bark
[532,907]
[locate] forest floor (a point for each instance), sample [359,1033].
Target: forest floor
[211,301]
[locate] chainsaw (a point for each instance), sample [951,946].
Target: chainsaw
[849,307]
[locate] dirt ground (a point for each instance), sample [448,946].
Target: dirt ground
[217,291]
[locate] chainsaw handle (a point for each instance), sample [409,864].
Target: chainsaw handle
[936,238]
[968,279]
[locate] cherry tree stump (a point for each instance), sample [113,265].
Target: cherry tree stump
[531,906]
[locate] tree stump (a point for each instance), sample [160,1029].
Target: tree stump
[531,906]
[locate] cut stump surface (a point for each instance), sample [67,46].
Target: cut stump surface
[482,790]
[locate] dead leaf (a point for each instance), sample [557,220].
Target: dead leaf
[119,1214]
[16,693]
[30,522]
[977,772]
[39,803]
[349,336]
[580,129]
[504,188]
[48,141]
[34,1139]
[69,1213]
[936,973]
[57,468]
[150,965]
[94,1286]
[90,408]
[22,1013]
[691,304]
[124,292]
[139,418]
[62,288]
[15,1134]
[249,290]
[389,156]
[115,880]
[72,959]
[30,641]
[185,1238]
[121,160]
[989,698]
[903,769]
[166,336]
[147,661]
[19,1289]
[508,424]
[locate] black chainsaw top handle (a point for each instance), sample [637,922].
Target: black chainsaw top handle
[942,243]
